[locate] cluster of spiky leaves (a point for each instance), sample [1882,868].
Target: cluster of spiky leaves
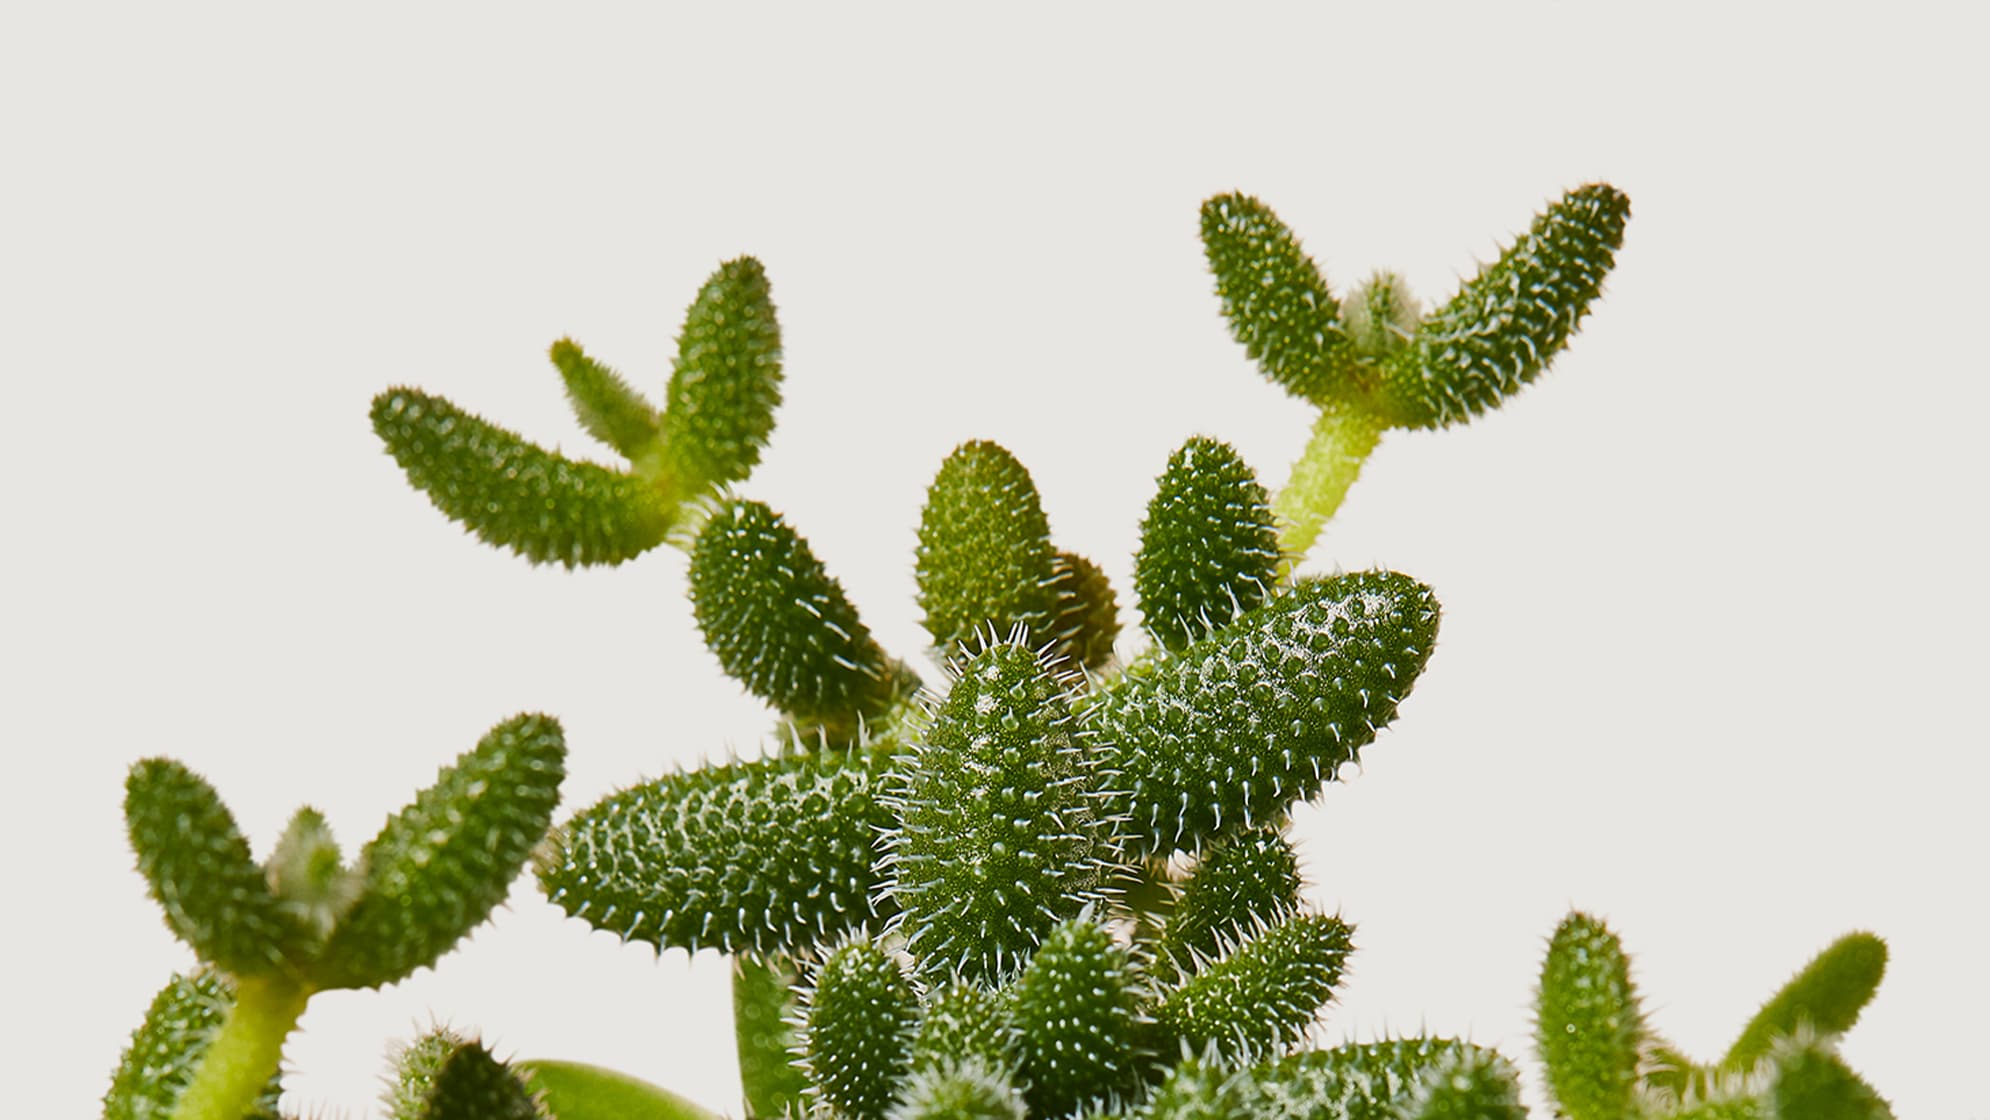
[978,905]
[1375,351]
[1603,1061]
[717,414]
[303,921]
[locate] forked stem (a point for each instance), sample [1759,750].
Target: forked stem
[245,1054]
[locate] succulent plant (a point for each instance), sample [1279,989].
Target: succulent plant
[1056,881]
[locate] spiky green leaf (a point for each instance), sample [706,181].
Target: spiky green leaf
[1276,299]
[860,1019]
[606,405]
[198,865]
[1358,1081]
[314,888]
[769,856]
[1208,547]
[1235,728]
[1000,832]
[1200,1089]
[1589,1030]
[166,1050]
[762,1005]
[960,1021]
[514,494]
[1077,1019]
[959,1090]
[984,558]
[1826,996]
[780,624]
[1241,883]
[1265,990]
[1811,1082]
[1475,1085]
[1508,322]
[439,865]
[727,381]
[1086,616]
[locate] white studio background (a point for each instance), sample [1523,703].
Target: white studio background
[1712,659]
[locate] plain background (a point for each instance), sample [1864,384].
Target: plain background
[1712,661]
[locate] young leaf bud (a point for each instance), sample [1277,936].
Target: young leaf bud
[959,1021]
[606,405]
[984,555]
[1208,547]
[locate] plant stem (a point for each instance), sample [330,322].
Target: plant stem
[1343,437]
[245,1054]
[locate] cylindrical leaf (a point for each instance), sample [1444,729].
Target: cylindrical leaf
[605,404]
[199,868]
[513,494]
[1588,1026]
[1826,996]
[727,382]
[1264,991]
[1235,728]
[959,1090]
[1202,1089]
[959,1021]
[1811,1082]
[782,626]
[984,557]
[166,1050]
[1001,836]
[1508,322]
[1241,883]
[1275,298]
[770,856]
[1077,1019]
[1358,1080]
[1475,1085]
[762,1005]
[860,1019]
[1208,548]
[440,864]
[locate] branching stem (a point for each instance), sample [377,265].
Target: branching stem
[244,1056]
[1343,437]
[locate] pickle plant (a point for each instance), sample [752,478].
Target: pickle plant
[1059,883]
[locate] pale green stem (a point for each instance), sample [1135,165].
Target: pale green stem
[1343,437]
[245,1054]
